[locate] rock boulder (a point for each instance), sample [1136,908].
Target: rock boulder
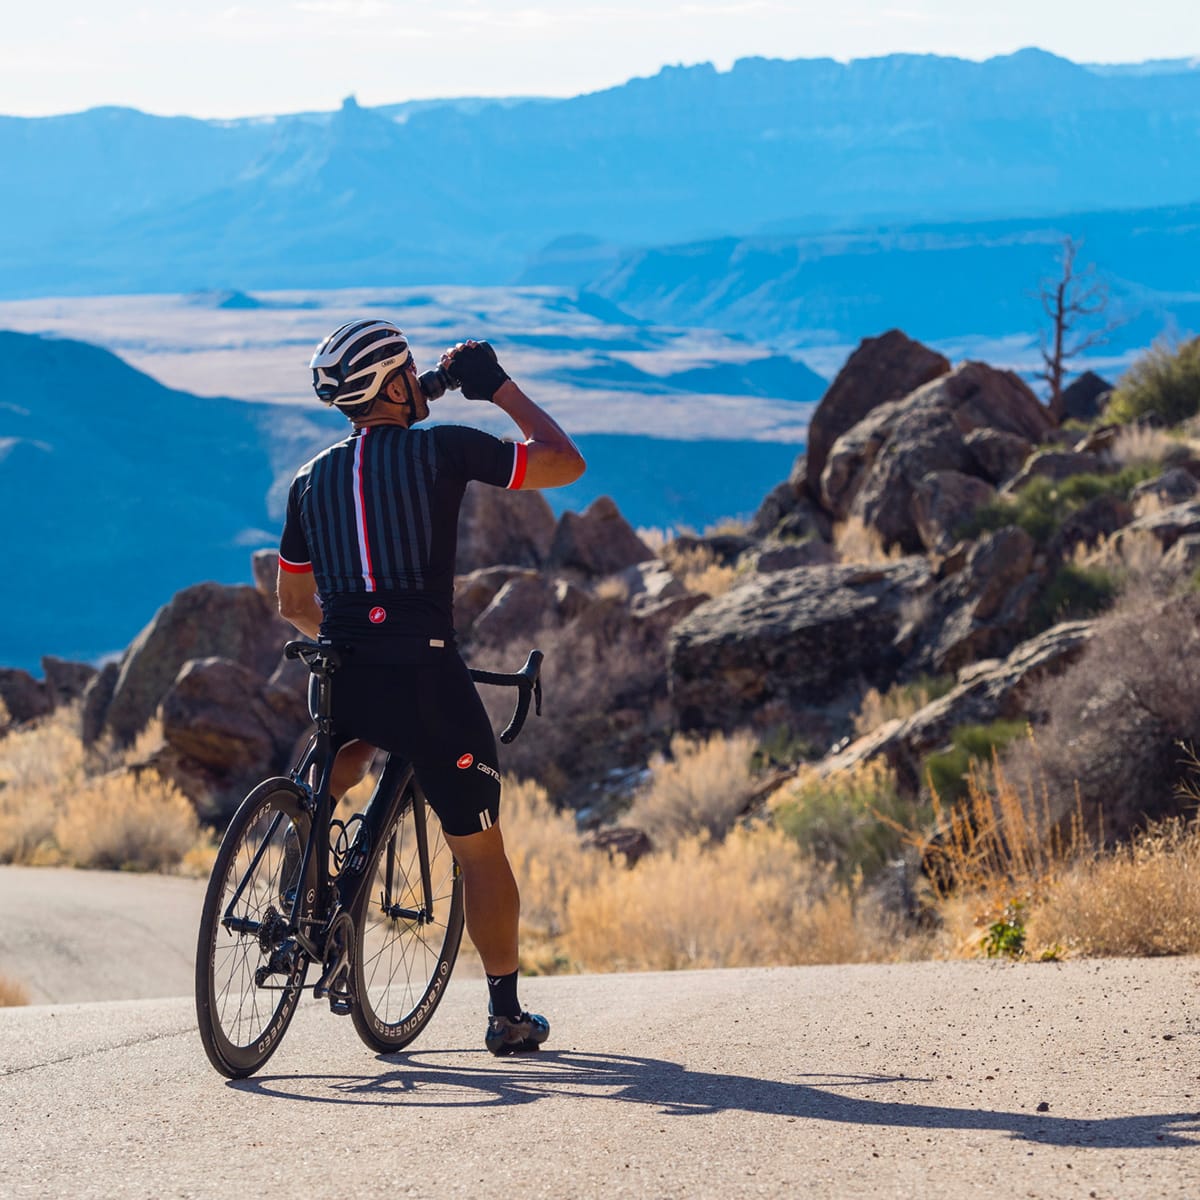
[789,639]
[880,370]
[598,541]
[941,502]
[228,727]
[24,697]
[204,621]
[992,690]
[496,526]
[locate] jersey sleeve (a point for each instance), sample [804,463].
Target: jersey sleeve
[473,454]
[294,554]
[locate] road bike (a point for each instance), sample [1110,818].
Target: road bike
[375,900]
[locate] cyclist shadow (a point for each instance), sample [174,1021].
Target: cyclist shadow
[673,1090]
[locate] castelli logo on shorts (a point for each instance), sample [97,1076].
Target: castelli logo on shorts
[377,616]
[465,761]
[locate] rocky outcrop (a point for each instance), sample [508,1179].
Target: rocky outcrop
[873,470]
[981,610]
[66,681]
[97,696]
[789,639]
[519,609]
[475,591]
[1166,527]
[204,621]
[264,570]
[880,370]
[225,727]
[789,512]
[23,696]
[997,456]
[496,526]
[1054,465]
[598,541]
[991,690]
[1173,487]
[942,502]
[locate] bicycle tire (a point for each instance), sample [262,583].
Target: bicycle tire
[402,965]
[242,1022]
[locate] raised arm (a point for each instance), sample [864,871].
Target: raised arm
[553,460]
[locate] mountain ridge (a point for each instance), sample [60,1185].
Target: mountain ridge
[320,200]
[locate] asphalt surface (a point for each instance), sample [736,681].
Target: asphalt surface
[931,1080]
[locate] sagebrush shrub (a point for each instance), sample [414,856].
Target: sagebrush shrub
[853,822]
[1162,385]
[1111,725]
[703,787]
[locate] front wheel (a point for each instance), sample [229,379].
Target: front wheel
[409,924]
[249,969]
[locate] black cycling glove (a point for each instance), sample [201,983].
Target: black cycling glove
[478,371]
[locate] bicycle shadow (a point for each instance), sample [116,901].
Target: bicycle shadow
[674,1090]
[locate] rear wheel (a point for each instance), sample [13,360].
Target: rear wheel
[249,970]
[406,938]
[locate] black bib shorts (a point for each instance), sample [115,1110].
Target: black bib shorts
[428,712]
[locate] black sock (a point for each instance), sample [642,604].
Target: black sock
[503,991]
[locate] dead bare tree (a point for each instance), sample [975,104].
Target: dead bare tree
[1069,301]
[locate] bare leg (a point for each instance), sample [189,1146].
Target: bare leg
[350,767]
[493,904]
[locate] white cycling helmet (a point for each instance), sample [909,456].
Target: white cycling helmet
[350,365]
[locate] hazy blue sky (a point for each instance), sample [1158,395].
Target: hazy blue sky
[269,56]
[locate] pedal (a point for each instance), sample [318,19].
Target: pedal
[334,983]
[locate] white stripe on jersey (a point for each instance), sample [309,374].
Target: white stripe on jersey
[360,516]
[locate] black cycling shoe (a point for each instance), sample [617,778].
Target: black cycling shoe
[516,1035]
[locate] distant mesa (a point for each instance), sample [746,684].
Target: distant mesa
[226,298]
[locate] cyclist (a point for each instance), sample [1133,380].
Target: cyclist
[366,561]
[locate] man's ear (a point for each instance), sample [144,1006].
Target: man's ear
[395,391]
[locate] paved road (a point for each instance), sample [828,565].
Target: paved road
[840,1082]
[97,935]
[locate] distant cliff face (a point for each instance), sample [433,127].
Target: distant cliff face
[327,200]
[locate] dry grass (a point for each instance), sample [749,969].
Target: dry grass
[1143,445]
[12,993]
[856,542]
[53,812]
[698,569]
[126,822]
[1139,900]
[703,787]
[898,703]
[752,900]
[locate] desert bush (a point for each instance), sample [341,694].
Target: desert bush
[751,900]
[702,787]
[551,866]
[1042,505]
[1162,385]
[135,822]
[698,569]
[899,702]
[1140,899]
[53,812]
[12,993]
[1110,726]
[948,771]
[1145,445]
[853,822]
[1075,591]
[856,542]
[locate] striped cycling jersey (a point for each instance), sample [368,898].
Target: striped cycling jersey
[375,518]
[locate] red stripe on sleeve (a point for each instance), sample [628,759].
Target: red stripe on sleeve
[294,568]
[520,463]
